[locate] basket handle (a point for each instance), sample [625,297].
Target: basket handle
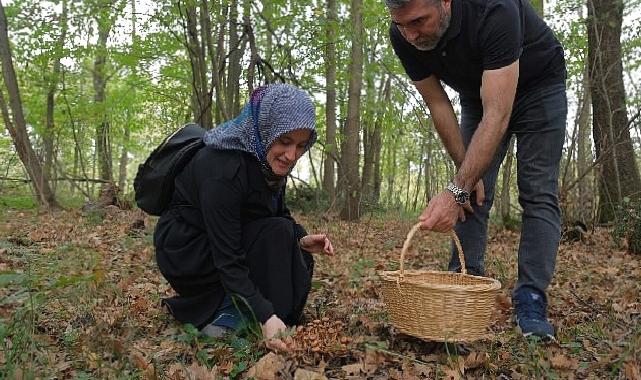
[408,240]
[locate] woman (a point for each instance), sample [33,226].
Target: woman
[228,245]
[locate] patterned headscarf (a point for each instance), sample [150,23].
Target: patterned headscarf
[272,111]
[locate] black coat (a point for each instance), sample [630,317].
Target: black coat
[227,231]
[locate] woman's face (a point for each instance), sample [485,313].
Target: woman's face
[286,150]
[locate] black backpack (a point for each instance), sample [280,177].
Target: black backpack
[154,182]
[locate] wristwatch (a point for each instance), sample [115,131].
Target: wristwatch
[460,196]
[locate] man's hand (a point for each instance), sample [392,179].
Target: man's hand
[479,189]
[441,213]
[317,243]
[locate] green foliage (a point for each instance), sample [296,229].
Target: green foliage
[627,224]
[307,199]
[18,202]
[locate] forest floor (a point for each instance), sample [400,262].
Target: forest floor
[80,298]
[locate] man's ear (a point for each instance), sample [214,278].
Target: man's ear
[447,4]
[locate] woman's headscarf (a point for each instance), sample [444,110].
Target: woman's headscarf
[272,111]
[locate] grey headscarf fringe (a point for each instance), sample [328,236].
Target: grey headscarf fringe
[278,109]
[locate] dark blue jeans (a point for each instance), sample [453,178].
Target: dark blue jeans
[538,122]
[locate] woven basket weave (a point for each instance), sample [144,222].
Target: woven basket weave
[436,305]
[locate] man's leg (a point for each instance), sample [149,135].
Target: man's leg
[473,232]
[539,123]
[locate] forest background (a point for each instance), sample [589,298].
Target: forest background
[90,87]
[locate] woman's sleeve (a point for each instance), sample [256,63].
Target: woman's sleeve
[221,201]
[299,230]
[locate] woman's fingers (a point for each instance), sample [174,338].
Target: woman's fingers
[285,344]
[276,344]
[318,243]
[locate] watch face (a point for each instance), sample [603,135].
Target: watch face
[462,198]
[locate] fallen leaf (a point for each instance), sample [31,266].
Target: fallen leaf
[197,371]
[139,361]
[504,302]
[631,371]
[352,370]
[476,359]
[175,372]
[269,367]
[305,374]
[564,362]
[450,373]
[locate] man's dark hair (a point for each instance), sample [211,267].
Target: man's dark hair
[396,4]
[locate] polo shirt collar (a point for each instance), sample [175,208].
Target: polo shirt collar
[455,22]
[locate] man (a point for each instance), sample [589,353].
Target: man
[509,71]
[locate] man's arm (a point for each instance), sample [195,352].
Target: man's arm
[497,94]
[498,89]
[443,116]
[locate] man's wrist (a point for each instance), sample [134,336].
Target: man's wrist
[461,196]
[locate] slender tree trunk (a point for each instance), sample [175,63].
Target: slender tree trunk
[377,144]
[103,145]
[222,113]
[619,172]
[18,126]
[330,103]
[122,164]
[505,188]
[419,178]
[351,208]
[584,155]
[428,170]
[368,152]
[235,54]
[254,58]
[391,177]
[49,135]
[200,98]
[408,182]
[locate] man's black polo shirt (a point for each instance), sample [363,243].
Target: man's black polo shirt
[487,35]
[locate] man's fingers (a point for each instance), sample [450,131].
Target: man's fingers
[480,193]
[468,207]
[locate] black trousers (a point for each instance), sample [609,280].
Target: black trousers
[277,266]
[280,270]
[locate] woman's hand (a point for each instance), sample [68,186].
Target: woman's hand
[273,330]
[317,243]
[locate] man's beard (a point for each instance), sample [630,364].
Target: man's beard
[427,42]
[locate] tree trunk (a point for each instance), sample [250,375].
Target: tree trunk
[18,126]
[49,135]
[419,178]
[377,144]
[368,153]
[505,188]
[122,164]
[232,97]
[619,173]
[350,157]
[428,171]
[584,155]
[201,98]
[222,113]
[103,145]
[330,103]
[391,176]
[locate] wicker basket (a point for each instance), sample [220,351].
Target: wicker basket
[436,305]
